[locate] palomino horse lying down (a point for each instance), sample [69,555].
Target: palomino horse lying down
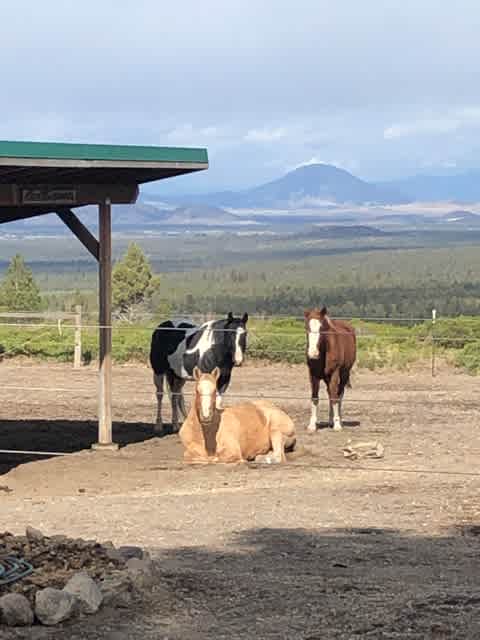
[252,431]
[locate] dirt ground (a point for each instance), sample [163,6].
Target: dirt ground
[321,548]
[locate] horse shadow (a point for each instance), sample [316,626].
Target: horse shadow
[348,424]
[62,436]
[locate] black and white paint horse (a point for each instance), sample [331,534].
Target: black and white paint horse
[178,346]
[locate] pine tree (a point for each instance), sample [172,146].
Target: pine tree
[19,291]
[133,282]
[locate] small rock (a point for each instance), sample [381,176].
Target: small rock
[34,535]
[114,554]
[80,543]
[108,545]
[117,591]
[15,610]
[53,606]
[86,591]
[131,552]
[142,572]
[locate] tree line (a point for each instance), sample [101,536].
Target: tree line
[138,292]
[135,288]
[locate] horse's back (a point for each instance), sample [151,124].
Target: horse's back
[276,418]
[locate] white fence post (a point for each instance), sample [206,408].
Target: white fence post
[434,318]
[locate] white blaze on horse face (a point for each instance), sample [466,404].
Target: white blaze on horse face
[206,389]
[238,358]
[313,338]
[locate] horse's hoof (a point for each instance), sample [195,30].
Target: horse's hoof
[312,428]
[267,459]
[337,427]
[158,430]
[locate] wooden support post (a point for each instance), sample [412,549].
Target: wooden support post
[77,357]
[105,302]
[434,319]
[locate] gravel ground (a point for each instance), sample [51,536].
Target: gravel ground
[321,548]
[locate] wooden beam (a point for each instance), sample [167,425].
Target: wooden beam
[105,373]
[14,214]
[38,194]
[80,230]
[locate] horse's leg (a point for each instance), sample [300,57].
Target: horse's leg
[181,402]
[222,386]
[229,450]
[335,393]
[277,454]
[314,384]
[194,455]
[176,386]
[340,402]
[158,381]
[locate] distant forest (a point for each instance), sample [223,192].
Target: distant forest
[282,276]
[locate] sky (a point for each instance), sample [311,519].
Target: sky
[382,88]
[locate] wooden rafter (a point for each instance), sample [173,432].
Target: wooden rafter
[77,227]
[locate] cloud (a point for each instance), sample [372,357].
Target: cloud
[421,127]
[266,135]
[190,135]
[435,125]
[218,74]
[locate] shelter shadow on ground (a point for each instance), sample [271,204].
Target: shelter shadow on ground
[308,584]
[67,436]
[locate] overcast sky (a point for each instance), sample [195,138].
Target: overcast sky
[383,88]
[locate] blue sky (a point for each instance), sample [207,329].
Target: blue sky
[382,88]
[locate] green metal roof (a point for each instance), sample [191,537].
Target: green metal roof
[101,152]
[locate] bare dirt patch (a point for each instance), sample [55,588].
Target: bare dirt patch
[322,548]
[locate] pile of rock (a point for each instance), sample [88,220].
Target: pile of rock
[71,578]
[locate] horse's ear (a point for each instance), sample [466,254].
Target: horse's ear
[216,373]
[306,313]
[323,312]
[196,374]
[230,316]
[245,318]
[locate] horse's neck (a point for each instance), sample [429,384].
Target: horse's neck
[209,431]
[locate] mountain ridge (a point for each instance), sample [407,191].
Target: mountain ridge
[313,185]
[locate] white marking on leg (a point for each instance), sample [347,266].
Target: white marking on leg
[314,416]
[313,338]
[337,423]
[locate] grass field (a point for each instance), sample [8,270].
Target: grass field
[276,340]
